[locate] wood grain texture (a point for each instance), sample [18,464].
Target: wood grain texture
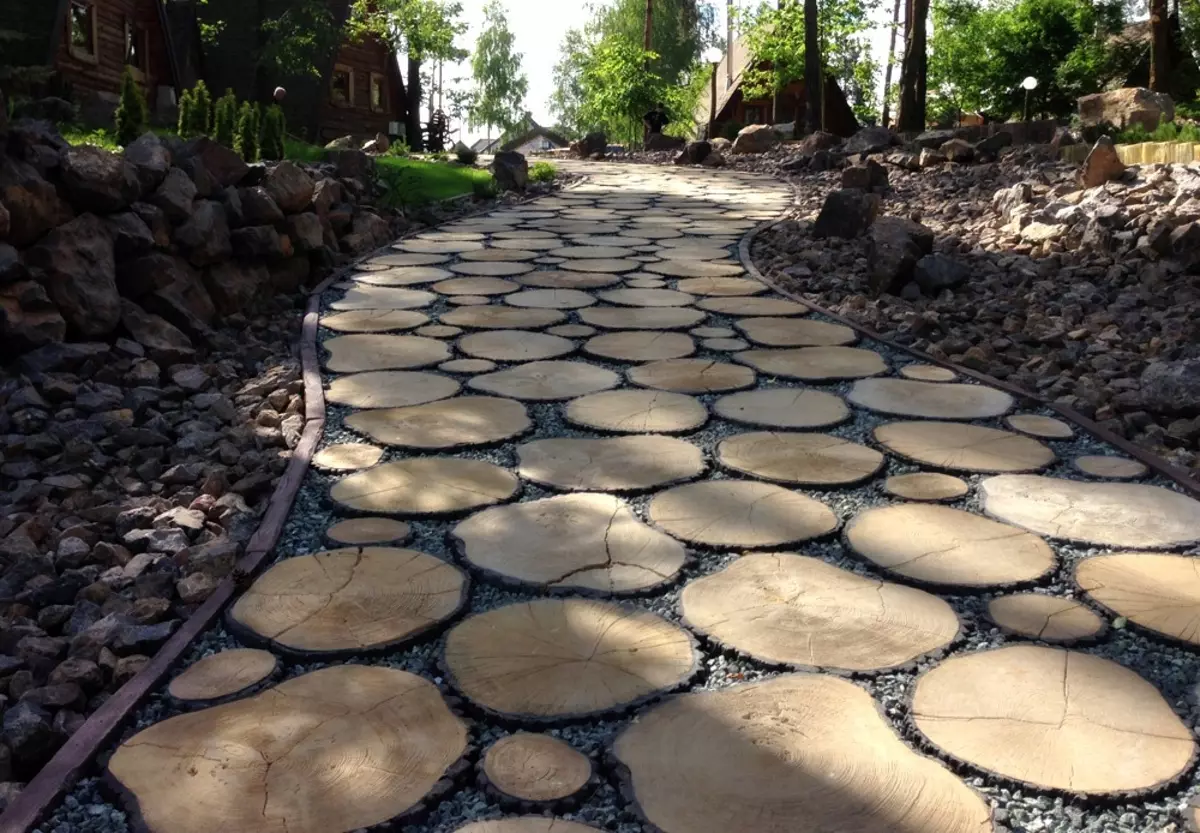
[1048,618]
[390,389]
[425,486]
[546,381]
[536,768]
[799,459]
[741,514]
[815,364]
[223,674]
[783,408]
[611,464]
[461,422]
[957,447]
[1158,591]
[637,411]
[931,400]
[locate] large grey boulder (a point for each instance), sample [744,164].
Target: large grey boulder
[755,138]
[847,213]
[1172,386]
[28,318]
[235,287]
[225,166]
[694,153]
[77,265]
[33,204]
[936,272]
[165,344]
[290,187]
[869,140]
[151,159]
[175,196]
[258,209]
[511,170]
[1126,107]
[896,244]
[205,236]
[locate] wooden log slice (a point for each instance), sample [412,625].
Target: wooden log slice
[1129,515]
[945,546]
[565,659]
[799,459]
[515,345]
[475,286]
[931,400]
[502,318]
[720,287]
[637,412]
[696,269]
[928,373]
[591,252]
[468,300]
[406,259]
[713,332]
[546,381]
[401,275]
[389,389]
[1048,618]
[1109,467]
[347,457]
[644,283]
[1158,591]
[551,299]
[356,353]
[373,320]
[724,345]
[535,768]
[795,332]
[799,752]
[425,486]
[816,364]
[1040,426]
[646,297]
[610,266]
[357,532]
[612,464]
[461,422]
[928,486]
[354,599]
[382,298]
[642,318]
[740,514]
[640,345]
[333,750]
[786,609]
[491,269]
[223,674]
[753,306]
[558,279]
[527,824]
[451,235]
[524,234]
[692,376]
[471,366]
[499,255]
[680,242]
[438,331]
[958,447]
[528,245]
[783,408]
[708,253]
[1054,719]
[611,240]
[440,247]
[589,542]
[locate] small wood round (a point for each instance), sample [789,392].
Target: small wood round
[401,275]
[640,346]
[450,235]
[515,345]
[356,353]
[439,247]
[740,514]
[815,364]
[563,659]
[407,259]
[530,245]
[724,345]
[928,486]
[475,286]
[721,287]
[642,318]
[1110,468]
[786,609]
[928,373]
[713,332]
[753,306]
[491,269]
[347,457]
[1048,618]
[373,320]
[548,381]
[799,459]
[223,674]
[799,752]
[536,768]
[499,255]
[550,299]
[958,447]
[795,332]
[383,298]
[358,532]
[425,486]
[646,297]
[564,279]
[1104,514]
[692,376]
[496,317]
[783,408]
[389,389]
[606,265]
[591,252]
[352,599]
[945,546]
[1040,426]
[931,400]
[1054,719]
[461,422]
[1158,591]
[572,330]
[471,366]
[589,542]
[336,749]
[612,464]
[637,412]
[468,300]
[696,269]
[438,331]
[644,283]
[527,824]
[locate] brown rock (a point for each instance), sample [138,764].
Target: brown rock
[306,232]
[150,159]
[164,343]
[28,319]
[1101,165]
[175,196]
[258,209]
[847,213]
[99,180]
[290,187]
[896,244]
[225,166]
[1126,107]
[33,203]
[77,266]
[235,286]
[958,150]
[755,138]
[205,236]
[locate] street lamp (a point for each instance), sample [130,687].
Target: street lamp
[1029,84]
[712,55]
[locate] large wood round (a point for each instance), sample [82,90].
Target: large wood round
[560,659]
[696,269]
[461,422]
[515,345]
[535,768]
[933,400]
[223,674]
[815,364]
[351,599]
[946,546]
[795,332]
[400,275]
[439,246]
[722,287]
[928,373]
[347,457]
[563,279]
[373,320]
[356,353]
[1159,591]
[783,408]
[612,464]
[383,297]
[527,824]
[608,265]
[407,259]
[498,255]
[1054,719]
[547,381]
[390,389]
[793,610]
[640,346]
[646,297]
[1105,514]
[637,412]
[491,269]
[800,752]
[753,306]
[359,532]
[1048,618]
[590,542]
[1040,426]
[958,447]
[740,514]
[425,486]
[801,459]
[551,299]
[496,317]
[475,286]
[926,486]
[692,376]
[330,751]
[642,318]
[1110,466]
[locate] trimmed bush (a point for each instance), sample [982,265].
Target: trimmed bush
[245,140]
[201,110]
[132,113]
[225,119]
[542,172]
[186,107]
[467,156]
[274,128]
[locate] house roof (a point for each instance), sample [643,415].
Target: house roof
[535,130]
[485,145]
[730,71]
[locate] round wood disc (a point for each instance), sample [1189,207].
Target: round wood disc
[1054,719]
[546,381]
[753,306]
[783,408]
[740,514]
[475,286]
[347,457]
[450,235]
[373,320]
[527,824]
[223,674]
[438,331]
[799,752]
[499,255]
[637,412]
[492,269]
[932,400]
[946,546]
[572,330]
[571,542]
[606,265]
[644,283]
[528,245]
[1109,467]
[558,659]
[696,269]
[612,464]
[640,345]
[461,422]
[1040,426]
[709,253]
[646,297]
[795,332]
[439,246]
[1105,514]
[958,447]
[468,300]
[642,318]
[407,259]
[591,252]
[471,366]
[928,373]
[515,345]
[550,299]
[502,318]
[558,279]
[359,532]
[355,353]
[800,459]
[350,599]
[1048,618]
[383,298]
[723,287]
[401,275]
[389,389]
[1159,591]
[520,234]
[692,376]
[926,486]
[724,345]
[816,364]
[425,486]
[536,768]
[336,749]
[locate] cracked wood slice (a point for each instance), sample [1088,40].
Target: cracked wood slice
[1054,719]
[223,674]
[815,364]
[347,457]
[787,609]
[373,320]
[646,297]
[498,255]
[572,330]
[491,269]
[359,532]
[461,422]
[932,400]
[766,307]
[515,345]
[528,824]
[475,286]
[799,459]
[783,408]
[946,546]
[589,542]
[401,275]
[1129,515]
[721,287]
[471,366]
[640,345]
[439,246]
[564,659]
[696,269]
[502,318]
[559,279]
[536,768]
[390,389]
[330,751]
[799,752]
[959,447]
[1110,467]
[637,412]
[547,381]
[612,464]
[692,376]
[550,299]
[645,283]
[928,373]
[1040,426]
[425,486]
[353,599]
[1048,618]
[1158,591]
[927,486]
[769,331]
[438,331]
[642,318]
[468,300]
[357,353]
[407,259]
[591,252]
[368,297]
[724,345]
[740,514]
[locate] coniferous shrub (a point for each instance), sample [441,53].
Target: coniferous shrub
[245,140]
[132,113]
[201,110]
[273,129]
[225,114]
[186,118]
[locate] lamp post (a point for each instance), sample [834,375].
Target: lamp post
[712,55]
[1029,84]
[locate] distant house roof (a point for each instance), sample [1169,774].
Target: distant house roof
[729,80]
[534,130]
[486,145]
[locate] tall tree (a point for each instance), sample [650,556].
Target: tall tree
[500,85]
[648,29]
[891,60]
[914,71]
[813,85]
[1160,47]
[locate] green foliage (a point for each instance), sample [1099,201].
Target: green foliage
[201,110]
[132,113]
[542,172]
[500,86]
[187,106]
[298,151]
[245,140]
[101,138]
[274,128]
[399,149]
[225,118]
[425,30]
[486,189]
[467,156]
[414,182]
[299,40]
[18,81]
[1166,131]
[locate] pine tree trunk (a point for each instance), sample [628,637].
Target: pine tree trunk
[1160,46]
[412,122]
[911,115]
[891,61]
[648,34]
[812,65]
